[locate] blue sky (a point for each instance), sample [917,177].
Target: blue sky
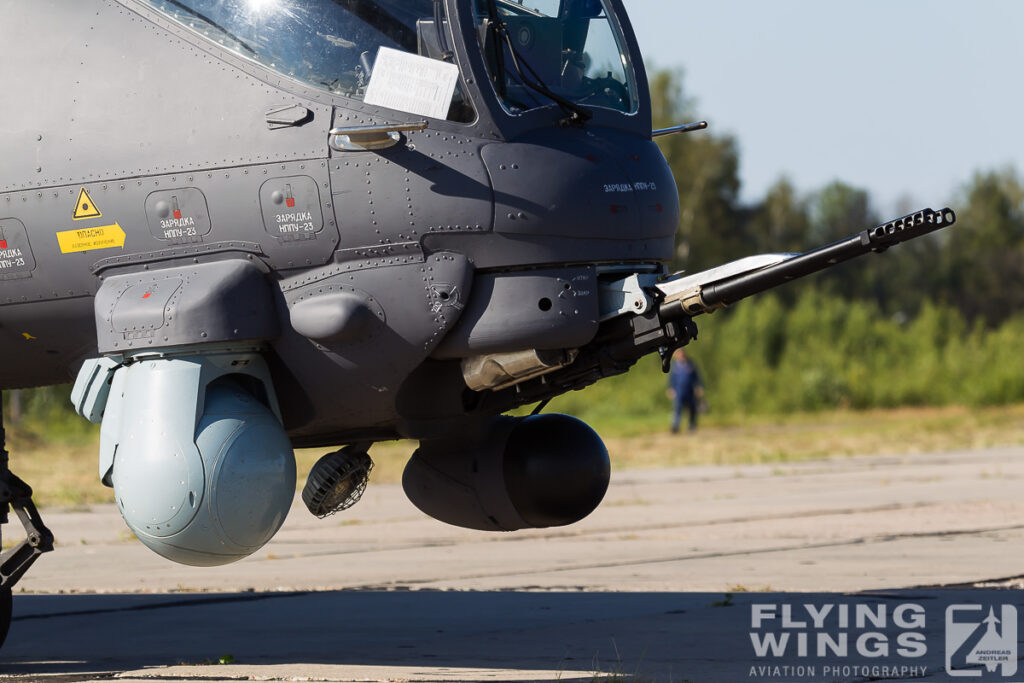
[905,98]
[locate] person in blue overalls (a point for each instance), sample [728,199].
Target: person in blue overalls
[684,388]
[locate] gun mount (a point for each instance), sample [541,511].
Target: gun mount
[663,309]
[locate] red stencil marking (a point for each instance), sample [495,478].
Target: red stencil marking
[147,295]
[177,215]
[3,244]
[290,202]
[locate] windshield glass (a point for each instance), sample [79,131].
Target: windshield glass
[569,47]
[334,44]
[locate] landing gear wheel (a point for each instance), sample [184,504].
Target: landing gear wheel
[6,603]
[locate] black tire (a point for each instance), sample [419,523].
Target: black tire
[6,603]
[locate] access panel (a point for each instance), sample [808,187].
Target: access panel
[291,208]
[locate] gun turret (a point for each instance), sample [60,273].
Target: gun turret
[724,285]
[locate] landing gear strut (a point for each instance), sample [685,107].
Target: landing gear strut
[17,495]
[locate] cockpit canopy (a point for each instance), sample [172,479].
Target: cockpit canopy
[398,53]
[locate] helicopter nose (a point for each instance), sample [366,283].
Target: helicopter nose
[573,183]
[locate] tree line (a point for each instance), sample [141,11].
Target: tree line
[976,267]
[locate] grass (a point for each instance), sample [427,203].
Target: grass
[819,435]
[62,470]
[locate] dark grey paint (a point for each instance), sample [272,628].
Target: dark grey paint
[177,306]
[195,153]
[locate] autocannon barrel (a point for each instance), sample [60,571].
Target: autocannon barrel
[711,294]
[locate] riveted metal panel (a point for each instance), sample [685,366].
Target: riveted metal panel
[232,200]
[291,208]
[542,309]
[576,188]
[116,74]
[351,381]
[144,307]
[433,182]
[209,302]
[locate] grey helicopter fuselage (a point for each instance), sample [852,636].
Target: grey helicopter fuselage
[144,113]
[245,226]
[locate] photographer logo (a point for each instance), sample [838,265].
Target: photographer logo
[976,636]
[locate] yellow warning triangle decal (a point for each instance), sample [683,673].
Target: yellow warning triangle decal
[85,207]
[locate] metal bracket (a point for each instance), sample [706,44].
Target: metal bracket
[363,138]
[287,115]
[627,295]
[686,289]
[38,539]
[18,495]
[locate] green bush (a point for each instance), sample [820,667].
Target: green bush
[45,413]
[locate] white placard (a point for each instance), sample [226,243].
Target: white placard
[408,82]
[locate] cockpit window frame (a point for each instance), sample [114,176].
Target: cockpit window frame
[534,90]
[513,125]
[492,121]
